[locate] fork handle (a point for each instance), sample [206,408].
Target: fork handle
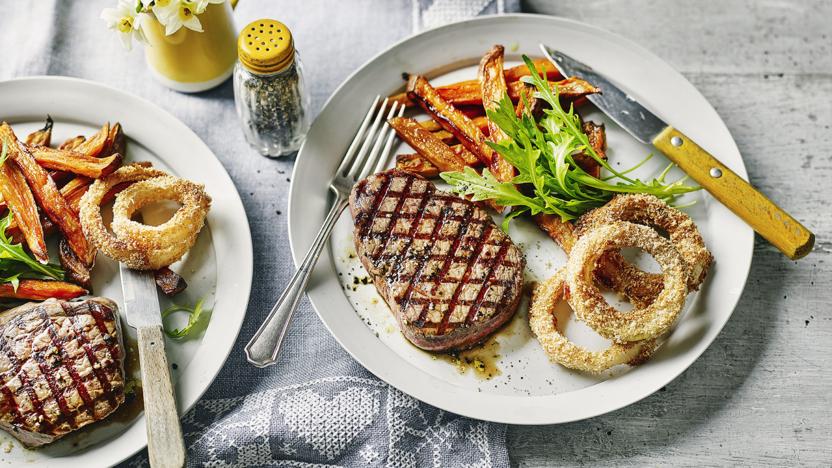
[264,347]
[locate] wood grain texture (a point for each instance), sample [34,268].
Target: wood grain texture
[760,395]
[714,36]
[165,445]
[763,215]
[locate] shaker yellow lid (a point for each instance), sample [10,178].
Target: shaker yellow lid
[265,46]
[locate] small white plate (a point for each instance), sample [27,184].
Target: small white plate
[219,267]
[526,388]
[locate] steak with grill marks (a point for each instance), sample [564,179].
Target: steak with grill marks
[61,367]
[449,274]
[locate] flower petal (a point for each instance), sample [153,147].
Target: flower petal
[126,40]
[173,24]
[193,23]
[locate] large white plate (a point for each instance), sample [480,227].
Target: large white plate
[219,266]
[528,389]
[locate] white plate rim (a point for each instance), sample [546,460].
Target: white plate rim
[233,289]
[525,410]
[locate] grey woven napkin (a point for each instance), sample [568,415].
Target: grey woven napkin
[316,407]
[432,13]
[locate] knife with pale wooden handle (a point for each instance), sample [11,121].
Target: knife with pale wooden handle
[768,219]
[165,446]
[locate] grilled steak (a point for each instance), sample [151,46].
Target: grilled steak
[61,367]
[449,274]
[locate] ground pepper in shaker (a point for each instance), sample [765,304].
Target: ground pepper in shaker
[269,90]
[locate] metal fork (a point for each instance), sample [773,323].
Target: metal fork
[366,155]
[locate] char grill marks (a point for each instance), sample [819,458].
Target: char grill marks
[445,264]
[61,367]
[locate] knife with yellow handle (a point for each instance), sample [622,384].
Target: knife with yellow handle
[765,217]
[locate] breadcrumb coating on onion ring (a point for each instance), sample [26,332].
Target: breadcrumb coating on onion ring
[140,246]
[181,228]
[589,304]
[563,351]
[650,211]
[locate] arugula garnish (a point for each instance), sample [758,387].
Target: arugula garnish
[548,179]
[194,317]
[16,264]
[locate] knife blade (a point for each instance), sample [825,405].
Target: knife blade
[639,122]
[165,445]
[141,303]
[763,215]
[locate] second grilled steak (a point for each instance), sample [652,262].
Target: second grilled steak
[61,367]
[450,275]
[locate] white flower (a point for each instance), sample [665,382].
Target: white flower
[124,19]
[201,5]
[174,14]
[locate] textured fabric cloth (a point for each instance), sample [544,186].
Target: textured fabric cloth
[432,13]
[316,407]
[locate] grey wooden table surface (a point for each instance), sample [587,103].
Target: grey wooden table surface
[760,395]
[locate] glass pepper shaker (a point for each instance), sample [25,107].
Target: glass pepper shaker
[269,90]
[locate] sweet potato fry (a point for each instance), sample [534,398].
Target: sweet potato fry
[493,88]
[73,190]
[77,271]
[416,164]
[453,121]
[77,187]
[109,196]
[598,140]
[21,202]
[42,137]
[472,111]
[431,125]
[597,136]
[527,103]
[169,281]
[470,88]
[75,162]
[469,92]
[562,232]
[542,65]
[72,143]
[95,144]
[48,225]
[41,290]
[426,144]
[116,142]
[48,196]
[446,137]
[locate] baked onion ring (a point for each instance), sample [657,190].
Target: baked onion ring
[561,350]
[171,239]
[138,246]
[650,211]
[590,306]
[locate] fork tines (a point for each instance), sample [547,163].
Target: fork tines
[369,151]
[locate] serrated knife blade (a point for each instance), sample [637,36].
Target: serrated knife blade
[768,219]
[141,303]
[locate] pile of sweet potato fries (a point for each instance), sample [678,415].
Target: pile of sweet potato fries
[456,135]
[42,187]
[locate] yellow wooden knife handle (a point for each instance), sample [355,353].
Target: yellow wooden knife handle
[768,219]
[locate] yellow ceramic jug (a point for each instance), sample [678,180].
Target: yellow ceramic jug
[191,61]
